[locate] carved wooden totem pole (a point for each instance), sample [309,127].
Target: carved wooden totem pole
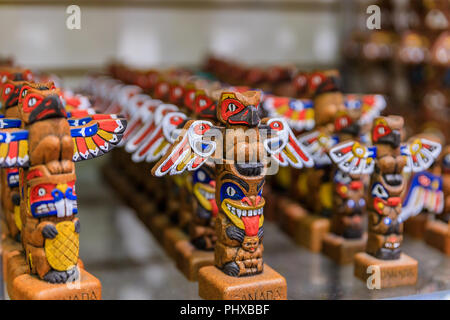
[44,144]
[386,161]
[238,147]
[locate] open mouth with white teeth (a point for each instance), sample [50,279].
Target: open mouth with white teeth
[248,218]
[393,180]
[13,180]
[206,196]
[62,208]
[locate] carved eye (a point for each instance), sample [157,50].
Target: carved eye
[32,102]
[230,191]
[351,203]
[381,130]
[232,107]
[202,176]
[4,78]
[41,192]
[24,93]
[8,90]
[378,191]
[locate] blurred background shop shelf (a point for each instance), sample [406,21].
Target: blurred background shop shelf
[148,33]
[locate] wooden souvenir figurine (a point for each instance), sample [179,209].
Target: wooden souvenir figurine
[45,145]
[437,232]
[386,161]
[237,146]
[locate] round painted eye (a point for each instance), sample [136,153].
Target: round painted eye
[201,176]
[41,192]
[230,191]
[351,203]
[7,90]
[387,221]
[362,202]
[232,107]
[32,102]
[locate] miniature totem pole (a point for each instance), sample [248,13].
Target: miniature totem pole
[44,144]
[386,161]
[437,231]
[237,146]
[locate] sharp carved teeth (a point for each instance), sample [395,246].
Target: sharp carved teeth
[206,194]
[244,213]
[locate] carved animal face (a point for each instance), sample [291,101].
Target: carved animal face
[204,106]
[11,93]
[42,103]
[15,74]
[236,108]
[204,188]
[350,194]
[240,198]
[50,195]
[387,130]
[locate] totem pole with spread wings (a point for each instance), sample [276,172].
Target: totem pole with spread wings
[11,79]
[331,117]
[385,161]
[238,146]
[44,144]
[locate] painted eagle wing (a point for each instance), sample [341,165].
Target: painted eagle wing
[96,137]
[420,154]
[353,157]
[160,139]
[14,148]
[317,145]
[142,136]
[424,192]
[10,123]
[193,147]
[283,146]
[298,112]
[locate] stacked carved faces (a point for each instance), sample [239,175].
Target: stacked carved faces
[386,188]
[240,180]
[48,207]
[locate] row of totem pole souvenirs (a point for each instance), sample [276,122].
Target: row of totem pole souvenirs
[339,159]
[414,43]
[44,130]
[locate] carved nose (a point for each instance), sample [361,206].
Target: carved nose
[394,201]
[253,117]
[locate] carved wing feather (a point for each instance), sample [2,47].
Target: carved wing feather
[353,157]
[420,154]
[283,145]
[14,148]
[96,137]
[190,151]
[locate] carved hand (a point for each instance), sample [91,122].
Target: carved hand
[49,231]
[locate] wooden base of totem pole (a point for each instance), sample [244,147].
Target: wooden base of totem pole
[157,224]
[23,286]
[415,226]
[306,229]
[189,259]
[8,245]
[437,235]
[171,237]
[213,284]
[341,250]
[290,213]
[393,273]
